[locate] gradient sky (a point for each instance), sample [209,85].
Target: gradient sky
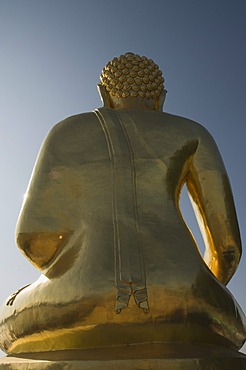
[51,55]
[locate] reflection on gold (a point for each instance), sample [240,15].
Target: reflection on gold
[102,221]
[41,248]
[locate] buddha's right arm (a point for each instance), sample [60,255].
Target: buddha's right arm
[212,199]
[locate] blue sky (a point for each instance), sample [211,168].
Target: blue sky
[52,53]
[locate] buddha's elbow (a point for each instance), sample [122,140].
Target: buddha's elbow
[41,248]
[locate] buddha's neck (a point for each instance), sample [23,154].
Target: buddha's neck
[131,103]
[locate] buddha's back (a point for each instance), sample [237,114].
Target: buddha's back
[101,220]
[124,268]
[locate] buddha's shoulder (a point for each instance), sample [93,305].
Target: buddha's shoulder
[163,122]
[183,123]
[74,122]
[87,123]
[74,126]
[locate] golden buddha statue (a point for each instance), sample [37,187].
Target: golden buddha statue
[102,222]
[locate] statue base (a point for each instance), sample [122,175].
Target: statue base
[152,356]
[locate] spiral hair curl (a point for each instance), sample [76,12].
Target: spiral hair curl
[132,75]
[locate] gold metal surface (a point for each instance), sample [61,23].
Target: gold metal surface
[133,357]
[102,221]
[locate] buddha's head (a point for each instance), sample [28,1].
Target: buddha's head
[132,82]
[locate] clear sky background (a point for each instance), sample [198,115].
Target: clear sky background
[51,55]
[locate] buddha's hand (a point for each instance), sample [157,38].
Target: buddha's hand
[10,301]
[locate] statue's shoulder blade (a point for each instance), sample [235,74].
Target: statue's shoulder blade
[78,124]
[184,122]
[191,128]
[73,122]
